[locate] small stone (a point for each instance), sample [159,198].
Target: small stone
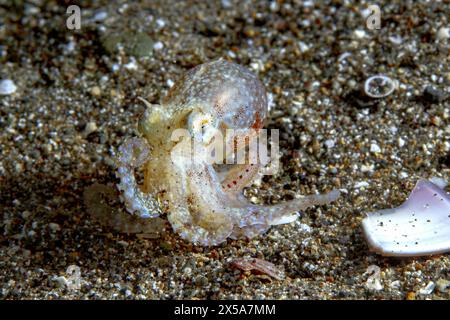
[161,23]
[442,34]
[90,127]
[132,65]
[123,243]
[329,144]
[158,45]
[95,91]
[367,168]
[187,271]
[395,284]
[361,184]
[410,296]
[60,281]
[359,34]
[443,285]
[401,142]
[403,175]
[54,227]
[374,148]
[374,280]
[7,87]
[428,289]
[99,16]
[434,95]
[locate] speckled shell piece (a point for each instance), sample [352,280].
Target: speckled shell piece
[420,226]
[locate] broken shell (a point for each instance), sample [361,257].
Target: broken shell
[379,86]
[420,226]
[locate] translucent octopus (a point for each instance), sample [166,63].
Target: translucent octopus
[204,201]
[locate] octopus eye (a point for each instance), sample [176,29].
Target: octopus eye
[202,125]
[198,121]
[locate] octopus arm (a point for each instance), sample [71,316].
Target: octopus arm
[132,154]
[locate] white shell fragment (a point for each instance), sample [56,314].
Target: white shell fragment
[420,226]
[379,86]
[7,87]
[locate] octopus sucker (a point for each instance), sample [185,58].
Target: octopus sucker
[218,103]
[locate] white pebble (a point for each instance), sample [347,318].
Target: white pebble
[305,228]
[429,288]
[403,175]
[158,45]
[329,144]
[7,87]
[60,281]
[395,284]
[401,142]
[374,280]
[361,184]
[359,34]
[374,148]
[443,33]
[99,16]
[368,168]
[90,127]
[132,65]
[303,46]
[115,67]
[161,23]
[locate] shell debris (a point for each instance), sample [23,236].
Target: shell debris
[420,226]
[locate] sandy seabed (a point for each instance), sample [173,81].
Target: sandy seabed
[76,101]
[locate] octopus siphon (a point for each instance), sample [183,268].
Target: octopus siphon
[204,199]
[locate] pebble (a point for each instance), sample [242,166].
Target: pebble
[442,33]
[367,168]
[403,175]
[395,284]
[132,65]
[361,184]
[7,87]
[374,148]
[95,91]
[359,34]
[90,127]
[158,45]
[329,144]
[374,280]
[54,227]
[60,281]
[428,289]
[443,285]
[99,16]
[434,95]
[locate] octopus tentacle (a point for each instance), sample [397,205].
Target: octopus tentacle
[133,154]
[197,212]
[212,214]
[285,212]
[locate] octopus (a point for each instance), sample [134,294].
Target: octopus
[203,200]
